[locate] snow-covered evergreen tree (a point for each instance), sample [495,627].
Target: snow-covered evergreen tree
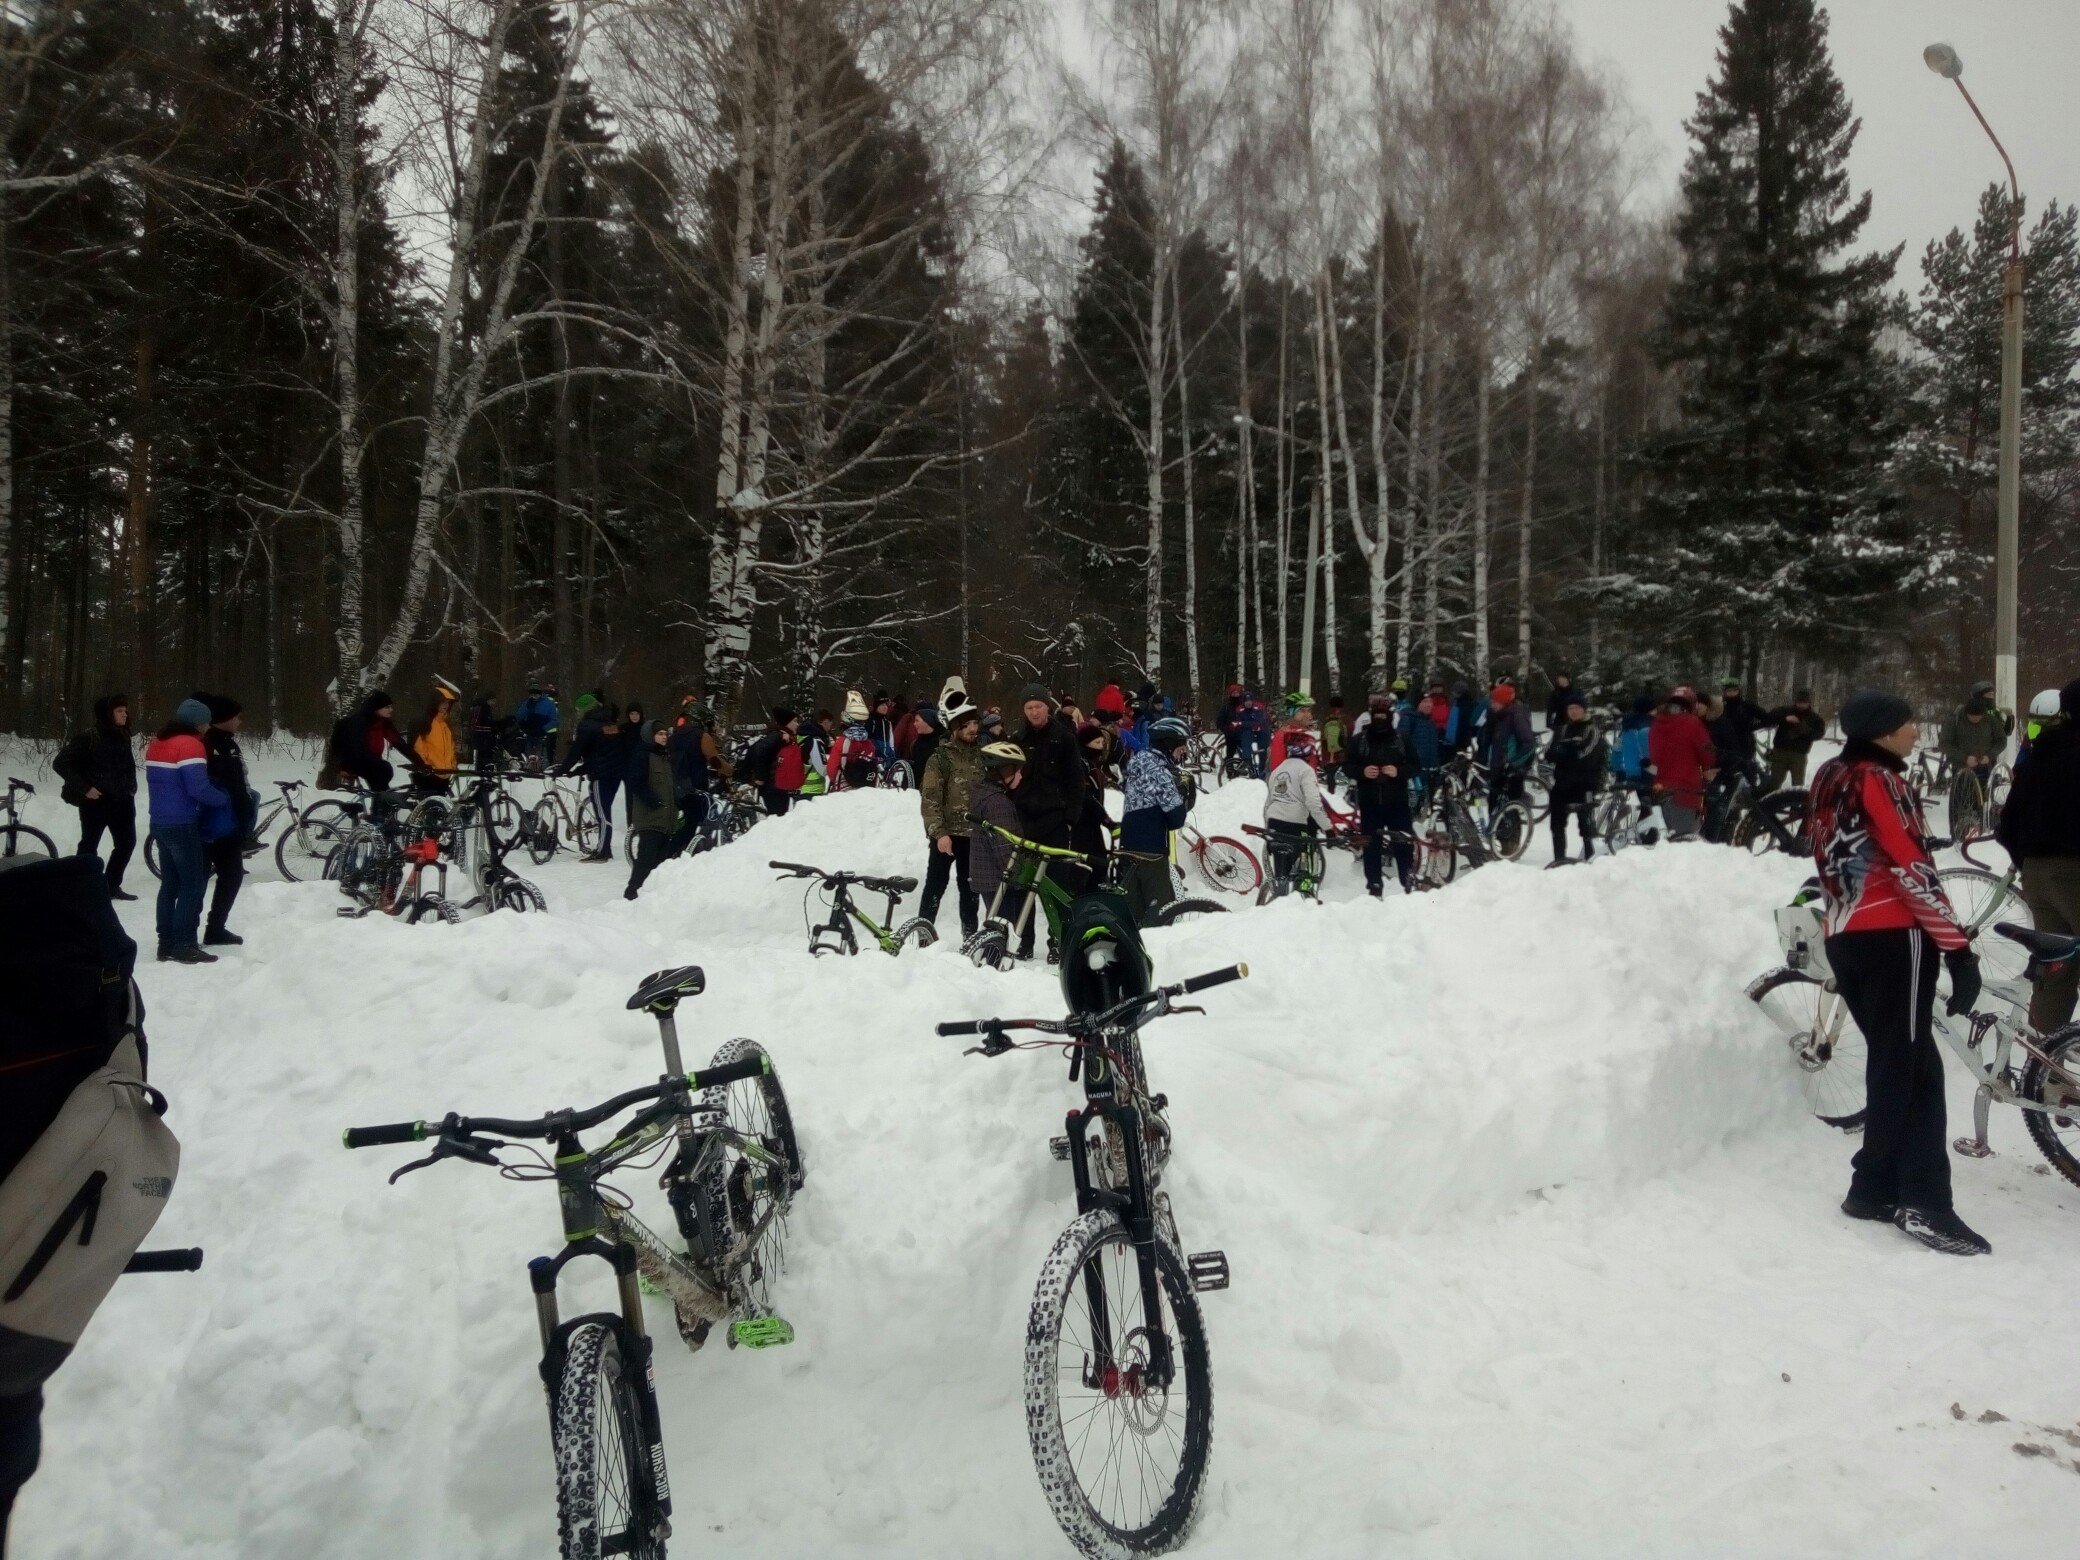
[1772,496]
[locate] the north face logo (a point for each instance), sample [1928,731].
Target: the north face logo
[159,1186]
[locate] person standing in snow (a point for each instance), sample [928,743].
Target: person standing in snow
[653,804]
[1506,744]
[99,771]
[854,754]
[1631,762]
[993,803]
[945,786]
[1556,701]
[536,716]
[1157,802]
[601,756]
[1797,726]
[1297,734]
[1335,733]
[226,830]
[176,771]
[361,741]
[1381,763]
[1293,810]
[484,733]
[433,738]
[2040,830]
[1680,750]
[1887,922]
[775,764]
[1579,757]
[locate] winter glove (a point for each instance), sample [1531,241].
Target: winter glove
[1963,965]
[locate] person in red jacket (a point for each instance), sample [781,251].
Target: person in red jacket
[1680,749]
[1887,920]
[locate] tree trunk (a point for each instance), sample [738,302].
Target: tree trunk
[1483,418]
[562,653]
[349,628]
[11,684]
[1190,613]
[1325,484]
[1526,506]
[1411,527]
[722,559]
[1158,356]
[1598,502]
[1283,463]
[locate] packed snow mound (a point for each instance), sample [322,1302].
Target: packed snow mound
[1526,1226]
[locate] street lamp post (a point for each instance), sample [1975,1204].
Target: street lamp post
[1944,61]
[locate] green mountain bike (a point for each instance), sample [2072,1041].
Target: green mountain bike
[835,935]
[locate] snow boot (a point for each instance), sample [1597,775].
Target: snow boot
[188,955]
[1944,1232]
[218,937]
[122,893]
[1869,1208]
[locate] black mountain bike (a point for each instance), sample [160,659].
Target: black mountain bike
[734,1170]
[1119,1388]
[835,935]
[16,837]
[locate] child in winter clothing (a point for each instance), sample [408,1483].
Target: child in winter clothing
[854,754]
[1156,804]
[1293,809]
[654,820]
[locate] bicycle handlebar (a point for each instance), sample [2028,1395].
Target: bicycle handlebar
[796,869]
[1074,1024]
[182,1260]
[555,1124]
[15,783]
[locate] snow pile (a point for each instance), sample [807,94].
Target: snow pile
[1534,1249]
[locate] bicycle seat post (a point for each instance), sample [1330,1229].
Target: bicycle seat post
[668,1034]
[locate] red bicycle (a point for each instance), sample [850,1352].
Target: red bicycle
[1226,863]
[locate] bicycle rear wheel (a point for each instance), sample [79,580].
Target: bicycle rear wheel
[916,932]
[1967,805]
[1231,866]
[540,832]
[1187,907]
[301,851]
[1774,822]
[589,824]
[1512,832]
[1824,1042]
[2057,1136]
[607,1502]
[741,1193]
[1121,1452]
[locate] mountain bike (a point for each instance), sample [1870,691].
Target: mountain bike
[1026,874]
[734,1168]
[558,818]
[1623,819]
[1758,824]
[18,838]
[1801,1000]
[835,935]
[1228,864]
[1433,859]
[256,840]
[1118,1382]
[1485,825]
[367,858]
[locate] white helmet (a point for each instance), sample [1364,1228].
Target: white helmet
[2045,704]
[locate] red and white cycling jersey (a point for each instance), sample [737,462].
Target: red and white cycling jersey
[1873,854]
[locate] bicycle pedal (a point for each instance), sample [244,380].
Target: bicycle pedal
[760,1332]
[1972,1148]
[1208,1270]
[1059,1147]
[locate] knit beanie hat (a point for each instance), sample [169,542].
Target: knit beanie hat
[221,706]
[781,716]
[1871,713]
[192,711]
[1032,691]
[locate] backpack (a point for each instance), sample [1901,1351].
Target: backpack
[86,1163]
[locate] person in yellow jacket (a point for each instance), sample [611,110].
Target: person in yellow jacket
[433,739]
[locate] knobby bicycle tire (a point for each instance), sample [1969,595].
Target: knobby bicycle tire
[1161,1519]
[1188,907]
[736,1192]
[2057,1137]
[1231,866]
[606,1502]
[916,932]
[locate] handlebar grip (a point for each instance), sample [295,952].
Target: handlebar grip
[792,866]
[730,1072]
[184,1260]
[962,1026]
[377,1137]
[1216,978]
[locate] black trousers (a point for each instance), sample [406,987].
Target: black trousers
[1379,820]
[1283,843]
[1888,981]
[227,870]
[1572,799]
[117,817]
[21,1448]
[938,870]
[652,849]
[776,800]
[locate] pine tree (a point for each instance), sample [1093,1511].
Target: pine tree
[1951,455]
[1772,495]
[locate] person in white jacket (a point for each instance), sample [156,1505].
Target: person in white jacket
[1293,811]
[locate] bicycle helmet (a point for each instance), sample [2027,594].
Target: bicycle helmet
[1169,732]
[1297,701]
[1003,755]
[2045,704]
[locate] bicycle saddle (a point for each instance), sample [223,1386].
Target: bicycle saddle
[2051,947]
[888,885]
[666,987]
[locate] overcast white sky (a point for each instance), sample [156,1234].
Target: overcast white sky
[1922,155]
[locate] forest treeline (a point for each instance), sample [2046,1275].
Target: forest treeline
[765,346]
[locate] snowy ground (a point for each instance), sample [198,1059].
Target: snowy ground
[1535,1252]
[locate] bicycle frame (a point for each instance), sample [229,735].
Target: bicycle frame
[1027,873]
[1136,1212]
[1989,1065]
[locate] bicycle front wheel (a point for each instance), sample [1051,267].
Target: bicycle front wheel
[1512,831]
[1981,899]
[1825,1045]
[1121,1419]
[588,830]
[540,829]
[1967,805]
[606,1499]
[301,851]
[1231,866]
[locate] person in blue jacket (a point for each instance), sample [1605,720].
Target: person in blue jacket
[1254,725]
[1157,802]
[536,716]
[176,772]
[1629,758]
[1426,740]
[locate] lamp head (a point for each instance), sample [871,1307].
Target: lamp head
[1943,60]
